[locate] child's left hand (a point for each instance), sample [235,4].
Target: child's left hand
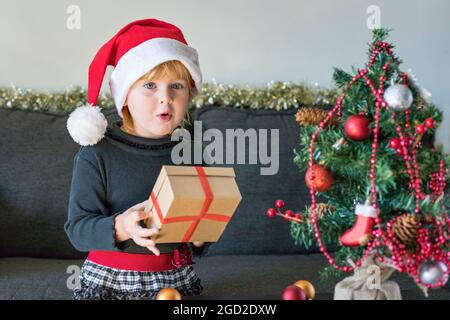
[198,244]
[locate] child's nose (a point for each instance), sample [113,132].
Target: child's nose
[164,96]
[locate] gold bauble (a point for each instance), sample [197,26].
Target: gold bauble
[168,294]
[307,287]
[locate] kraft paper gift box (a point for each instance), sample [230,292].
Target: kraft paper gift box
[192,203]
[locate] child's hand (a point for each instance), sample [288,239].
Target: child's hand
[127,227]
[198,244]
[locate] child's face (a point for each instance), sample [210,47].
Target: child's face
[157,107]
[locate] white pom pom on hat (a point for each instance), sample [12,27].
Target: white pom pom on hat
[87,125]
[133,51]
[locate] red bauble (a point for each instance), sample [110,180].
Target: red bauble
[318,178]
[357,127]
[293,292]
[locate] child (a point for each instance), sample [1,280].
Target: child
[156,75]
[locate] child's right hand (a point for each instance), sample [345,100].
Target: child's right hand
[127,227]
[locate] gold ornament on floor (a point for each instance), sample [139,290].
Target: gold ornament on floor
[405,228]
[307,287]
[312,116]
[168,294]
[322,209]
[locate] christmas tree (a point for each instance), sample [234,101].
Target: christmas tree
[376,181]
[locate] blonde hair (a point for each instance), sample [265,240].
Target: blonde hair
[173,68]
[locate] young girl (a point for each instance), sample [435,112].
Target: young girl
[156,75]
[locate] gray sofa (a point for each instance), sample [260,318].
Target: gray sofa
[254,259]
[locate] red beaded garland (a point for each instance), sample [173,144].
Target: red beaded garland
[394,143]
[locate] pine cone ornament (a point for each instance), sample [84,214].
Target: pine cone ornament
[313,116]
[322,209]
[405,228]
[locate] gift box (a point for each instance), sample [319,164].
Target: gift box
[192,203]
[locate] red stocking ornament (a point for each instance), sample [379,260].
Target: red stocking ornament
[361,232]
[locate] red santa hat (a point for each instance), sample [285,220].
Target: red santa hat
[135,50]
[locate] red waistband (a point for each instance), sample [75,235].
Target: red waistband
[142,262]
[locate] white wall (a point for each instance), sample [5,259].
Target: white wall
[245,42]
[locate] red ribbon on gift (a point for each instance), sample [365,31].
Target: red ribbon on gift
[203,211]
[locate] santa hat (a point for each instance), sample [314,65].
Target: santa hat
[133,51]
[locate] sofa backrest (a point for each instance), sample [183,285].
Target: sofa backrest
[36,162]
[250,231]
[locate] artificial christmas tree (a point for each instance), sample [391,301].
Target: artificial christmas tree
[384,168]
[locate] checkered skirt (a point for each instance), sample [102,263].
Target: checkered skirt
[98,282]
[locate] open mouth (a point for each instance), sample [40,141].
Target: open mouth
[165,116]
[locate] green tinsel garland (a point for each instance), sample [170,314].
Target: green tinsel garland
[275,96]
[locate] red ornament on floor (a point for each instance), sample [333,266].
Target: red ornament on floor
[293,292]
[357,127]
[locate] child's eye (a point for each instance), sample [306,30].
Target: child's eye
[177,86]
[150,85]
